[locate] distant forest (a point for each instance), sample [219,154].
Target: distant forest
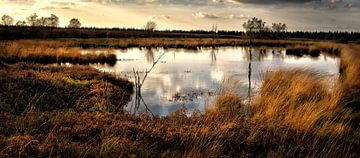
[33,32]
[35,27]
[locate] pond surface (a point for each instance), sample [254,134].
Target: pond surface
[191,78]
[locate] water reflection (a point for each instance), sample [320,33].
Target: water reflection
[149,56]
[250,71]
[213,53]
[192,78]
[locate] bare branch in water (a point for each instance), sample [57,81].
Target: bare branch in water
[139,83]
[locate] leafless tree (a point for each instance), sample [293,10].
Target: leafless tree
[150,26]
[74,23]
[41,21]
[32,20]
[214,31]
[278,27]
[52,21]
[7,20]
[255,25]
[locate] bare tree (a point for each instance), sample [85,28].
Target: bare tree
[32,20]
[150,26]
[214,31]
[7,20]
[278,27]
[41,22]
[20,23]
[53,21]
[255,25]
[74,23]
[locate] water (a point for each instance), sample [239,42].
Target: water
[188,78]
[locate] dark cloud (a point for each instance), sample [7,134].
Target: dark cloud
[276,1]
[286,3]
[164,2]
[314,3]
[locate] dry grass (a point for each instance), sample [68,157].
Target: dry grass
[301,100]
[190,43]
[295,114]
[12,52]
[69,51]
[29,86]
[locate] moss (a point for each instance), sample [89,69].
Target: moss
[77,83]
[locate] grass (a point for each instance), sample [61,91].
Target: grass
[13,52]
[302,100]
[350,80]
[31,86]
[70,51]
[295,114]
[189,43]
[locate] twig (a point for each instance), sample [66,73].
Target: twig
[139,83]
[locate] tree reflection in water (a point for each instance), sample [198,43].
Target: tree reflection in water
[213,53]
[150,56]
[249,74]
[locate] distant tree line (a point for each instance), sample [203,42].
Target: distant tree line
[257,25]
[48,27]
[27,32]
[35,21]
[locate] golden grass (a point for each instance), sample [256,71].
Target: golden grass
[227,102]
[68,51]
[295,114]
[301,100]
[12,52]
[191,43]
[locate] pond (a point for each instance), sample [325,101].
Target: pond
[192,78]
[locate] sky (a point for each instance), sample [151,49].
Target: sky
[299,15]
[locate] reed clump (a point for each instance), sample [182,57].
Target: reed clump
[301,100]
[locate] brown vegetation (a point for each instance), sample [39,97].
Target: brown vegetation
[188,43]
[12,52]
[295,114]
[26,87]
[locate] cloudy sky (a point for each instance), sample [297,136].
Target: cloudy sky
[305,15]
